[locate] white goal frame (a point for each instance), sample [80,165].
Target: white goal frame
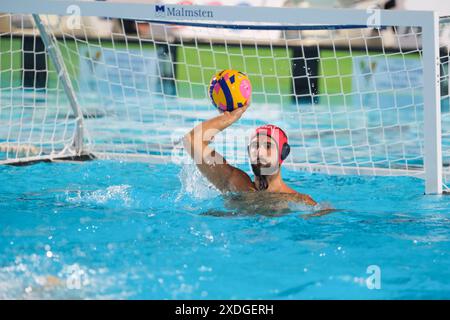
[427,20]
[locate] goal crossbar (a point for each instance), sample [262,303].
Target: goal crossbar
[236,15]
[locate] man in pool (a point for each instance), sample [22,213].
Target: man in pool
[267,150]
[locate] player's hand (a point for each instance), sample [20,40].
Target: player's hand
[235,115]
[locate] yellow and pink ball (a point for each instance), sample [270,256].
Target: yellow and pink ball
[230,89]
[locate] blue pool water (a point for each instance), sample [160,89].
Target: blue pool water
[106,229]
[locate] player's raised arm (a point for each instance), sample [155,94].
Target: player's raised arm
[211,163]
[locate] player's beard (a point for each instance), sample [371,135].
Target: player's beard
[262,172]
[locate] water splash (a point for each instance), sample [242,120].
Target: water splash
[37,277]
[194,184]
[119,193]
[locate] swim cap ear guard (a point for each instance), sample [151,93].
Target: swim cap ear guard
[285,150]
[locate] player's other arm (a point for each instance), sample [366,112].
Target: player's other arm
[211,163]
[306,199]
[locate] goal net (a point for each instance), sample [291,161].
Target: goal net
[113,82]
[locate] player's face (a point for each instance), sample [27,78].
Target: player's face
[263,153]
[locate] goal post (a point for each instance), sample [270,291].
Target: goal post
[358,91]
[432,105]
[58,62]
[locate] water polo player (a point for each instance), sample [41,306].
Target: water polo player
[268,148]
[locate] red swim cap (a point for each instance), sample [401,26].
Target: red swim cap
[280,138]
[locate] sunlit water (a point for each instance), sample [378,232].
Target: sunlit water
[137,231]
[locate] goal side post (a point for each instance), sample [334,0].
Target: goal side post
[432,105]
[58,62]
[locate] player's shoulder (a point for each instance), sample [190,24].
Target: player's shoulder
[240,181]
